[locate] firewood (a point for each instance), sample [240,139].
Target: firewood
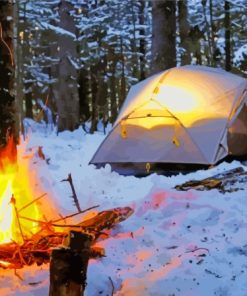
[38,248]
[220,181]
[102,221]
[68,267]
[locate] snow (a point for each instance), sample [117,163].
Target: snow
[58,30]
[240,55]
[176,242]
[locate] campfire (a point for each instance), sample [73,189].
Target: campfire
[19,212]
[29,230]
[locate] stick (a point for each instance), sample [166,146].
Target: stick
[75,214]
[13,202]
[31,202]
[74,196]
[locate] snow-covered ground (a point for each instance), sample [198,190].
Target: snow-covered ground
[176,243]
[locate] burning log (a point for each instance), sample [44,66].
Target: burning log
[68,268]
[38,248]
[102,221]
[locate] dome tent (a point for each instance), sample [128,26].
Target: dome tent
[183,117]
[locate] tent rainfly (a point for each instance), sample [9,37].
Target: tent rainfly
[183,117]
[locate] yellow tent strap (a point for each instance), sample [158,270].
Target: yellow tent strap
[148,167]
[157,87]
[175,140]
[123,130]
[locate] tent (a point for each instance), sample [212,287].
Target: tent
[183,117]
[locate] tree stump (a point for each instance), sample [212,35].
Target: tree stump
[68,267]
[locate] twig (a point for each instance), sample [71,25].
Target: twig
[18,251]
[34,220]
[112,284]
[75,214]
[53,222]
[74,196]
[13,202]
[197,249]
[67,225]
[16,274]
[30,203]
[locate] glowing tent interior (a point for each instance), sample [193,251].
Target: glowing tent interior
[184,117]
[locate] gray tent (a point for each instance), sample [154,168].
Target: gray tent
[187,115]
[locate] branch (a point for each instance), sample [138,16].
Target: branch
[75,214]
[74,196]
[30,203]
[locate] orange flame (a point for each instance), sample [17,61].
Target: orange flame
[20,213]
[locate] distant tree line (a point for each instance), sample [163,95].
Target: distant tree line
[78,58]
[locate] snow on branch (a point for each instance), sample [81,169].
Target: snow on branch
[57,30]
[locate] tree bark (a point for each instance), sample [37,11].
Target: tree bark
[184,29]
[18,51]
[113,95]
[227,22]
[212,33]
[83,95]
[8,122]
[142,45]
[133,41]
[163,35]
[66,89]
[68,267]
[122,78]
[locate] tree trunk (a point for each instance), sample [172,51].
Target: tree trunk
[209,53]
[122,78]
[133,41]
[184,29]
[66,89]
[8,127]
[195,35]
[94,90]
[99,91]
[164,35]
[227,22]
[18,51]
[212,31]
[113,94]
[83,95]
[68,267]
[29,105]
[142,48]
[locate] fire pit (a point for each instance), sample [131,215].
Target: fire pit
[32,232]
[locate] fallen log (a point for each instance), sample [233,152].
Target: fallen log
[223,181]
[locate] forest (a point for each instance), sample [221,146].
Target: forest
[73,61]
